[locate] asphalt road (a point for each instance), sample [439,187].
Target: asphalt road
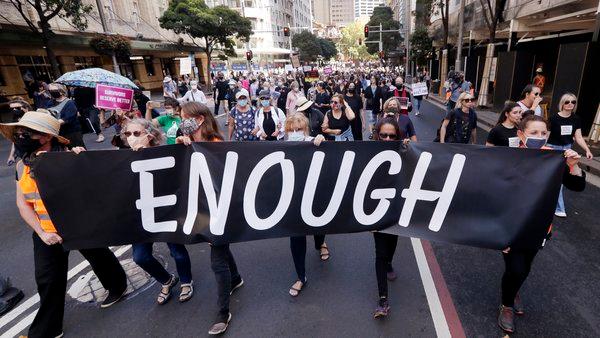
[442,289]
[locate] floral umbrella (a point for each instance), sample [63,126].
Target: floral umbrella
[90,77]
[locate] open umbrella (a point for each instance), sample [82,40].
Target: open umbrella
[90,77]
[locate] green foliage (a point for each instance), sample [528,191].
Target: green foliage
[384,16]
[109,44]
[218,26]
[348,44]
[423,12]
[308,45]
[328,48]
[421,45]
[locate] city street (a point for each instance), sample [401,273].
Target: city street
[442,289]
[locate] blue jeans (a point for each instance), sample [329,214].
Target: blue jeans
[418,104]
[142,256]
[560,206]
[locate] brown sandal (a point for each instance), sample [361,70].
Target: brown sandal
[324,255]
[295,291]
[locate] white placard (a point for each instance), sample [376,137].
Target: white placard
[514,142]
[185,66]
[289,68]
[307,68]
[419,89]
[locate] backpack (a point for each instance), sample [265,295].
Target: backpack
[452,126]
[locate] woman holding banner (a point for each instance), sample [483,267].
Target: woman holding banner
[533,132]
[199,125]
[386,129]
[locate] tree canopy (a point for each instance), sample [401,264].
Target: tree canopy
[384,16]
[348,44]
[421,45]
[310,46]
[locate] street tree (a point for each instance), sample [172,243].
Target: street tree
[73,11]
[217,27]
[113,46]
[328,48]
[421,46]
[349,42]
[442,7]
[492,15]
[308,46]
[423,13]
[385,16]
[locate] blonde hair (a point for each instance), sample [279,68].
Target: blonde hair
[387,102]
[565,97]
[461,99]
[297,121]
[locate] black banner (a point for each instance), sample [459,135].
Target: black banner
[225,192]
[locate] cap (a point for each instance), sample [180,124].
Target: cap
[264,93]
[242,92]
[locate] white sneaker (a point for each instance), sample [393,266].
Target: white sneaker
[417,114]
[560,214]
[100,138]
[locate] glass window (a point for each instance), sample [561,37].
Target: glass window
[149,64]
[2,82]
[34,68]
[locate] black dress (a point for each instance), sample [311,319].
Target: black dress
[269,126]
[342,123]
[355,102]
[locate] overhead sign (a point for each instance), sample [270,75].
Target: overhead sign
[295,60]
[108,97]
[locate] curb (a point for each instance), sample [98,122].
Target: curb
[590,166]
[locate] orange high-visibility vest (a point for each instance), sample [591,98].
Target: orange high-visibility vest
[32,196]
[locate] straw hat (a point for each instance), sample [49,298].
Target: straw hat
[34,120]
[303,103]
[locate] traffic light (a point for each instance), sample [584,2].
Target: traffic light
[286,31]
[249,55]
[366,31]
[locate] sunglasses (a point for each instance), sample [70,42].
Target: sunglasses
[571,102]
[469,100]
[383,136]
[264,98]
[334,102]
[24,134]
[136,133]
[536,94]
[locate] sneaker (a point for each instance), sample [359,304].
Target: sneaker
[100,138]
[417,114]
[220,325]
[506,319]
[112,298]
[561,214]
[383,309]
[236,286]
[392,276]
[518,306]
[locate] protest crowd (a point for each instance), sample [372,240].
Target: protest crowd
[370,103]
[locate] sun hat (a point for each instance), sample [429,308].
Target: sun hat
[167,79]
[34,120]
[242,92]
[303,103]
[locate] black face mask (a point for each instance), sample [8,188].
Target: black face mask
[55,94]
[27,145]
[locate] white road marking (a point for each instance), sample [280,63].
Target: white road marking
[435,305]
[33,300]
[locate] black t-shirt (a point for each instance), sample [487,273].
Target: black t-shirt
[562,129]
[323,98]
[222,87]
[407,129]
[460,126]
[342,123]
[499,135]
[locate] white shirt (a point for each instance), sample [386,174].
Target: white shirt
[537,111]
[193,96]
[278,117]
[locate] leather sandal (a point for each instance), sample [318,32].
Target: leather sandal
[295,291]
[187,291]
[324,255]
[165,291]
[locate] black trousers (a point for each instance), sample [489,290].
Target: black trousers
[226,273]
[298,248]
[51,267]
[517,266]
[385,247]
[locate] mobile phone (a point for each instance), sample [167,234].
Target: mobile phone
[156,104]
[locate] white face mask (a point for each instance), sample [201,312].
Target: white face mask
[137,142]
[194,87]
[296,136]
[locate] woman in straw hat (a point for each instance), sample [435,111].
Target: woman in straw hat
[35,133]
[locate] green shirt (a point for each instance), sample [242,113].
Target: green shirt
[169,124]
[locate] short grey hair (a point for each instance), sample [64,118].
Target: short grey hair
[565,97]
[157,138]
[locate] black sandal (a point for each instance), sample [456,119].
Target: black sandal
[295,292]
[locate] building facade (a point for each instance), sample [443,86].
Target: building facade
[321,10]
[364,8]
[155,51]
[342,12]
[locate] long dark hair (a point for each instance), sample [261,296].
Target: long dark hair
[386,120]
[210,128]
[527,90]
[532,118]
[508,106]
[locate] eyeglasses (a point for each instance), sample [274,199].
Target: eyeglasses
[383,136]
[334,102]
[264,98]
[136,133]
[571,102]
[469,100]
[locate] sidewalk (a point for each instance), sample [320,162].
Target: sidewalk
[487,119]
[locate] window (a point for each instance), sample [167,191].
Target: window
[126,67]
[82,62]
[35,68]
[167,66]
[135,14]
[109,9]
[149,64]
[2,81]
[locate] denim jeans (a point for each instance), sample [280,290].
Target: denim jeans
[142,256]
[226,273]
[560,206]
[417,104]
